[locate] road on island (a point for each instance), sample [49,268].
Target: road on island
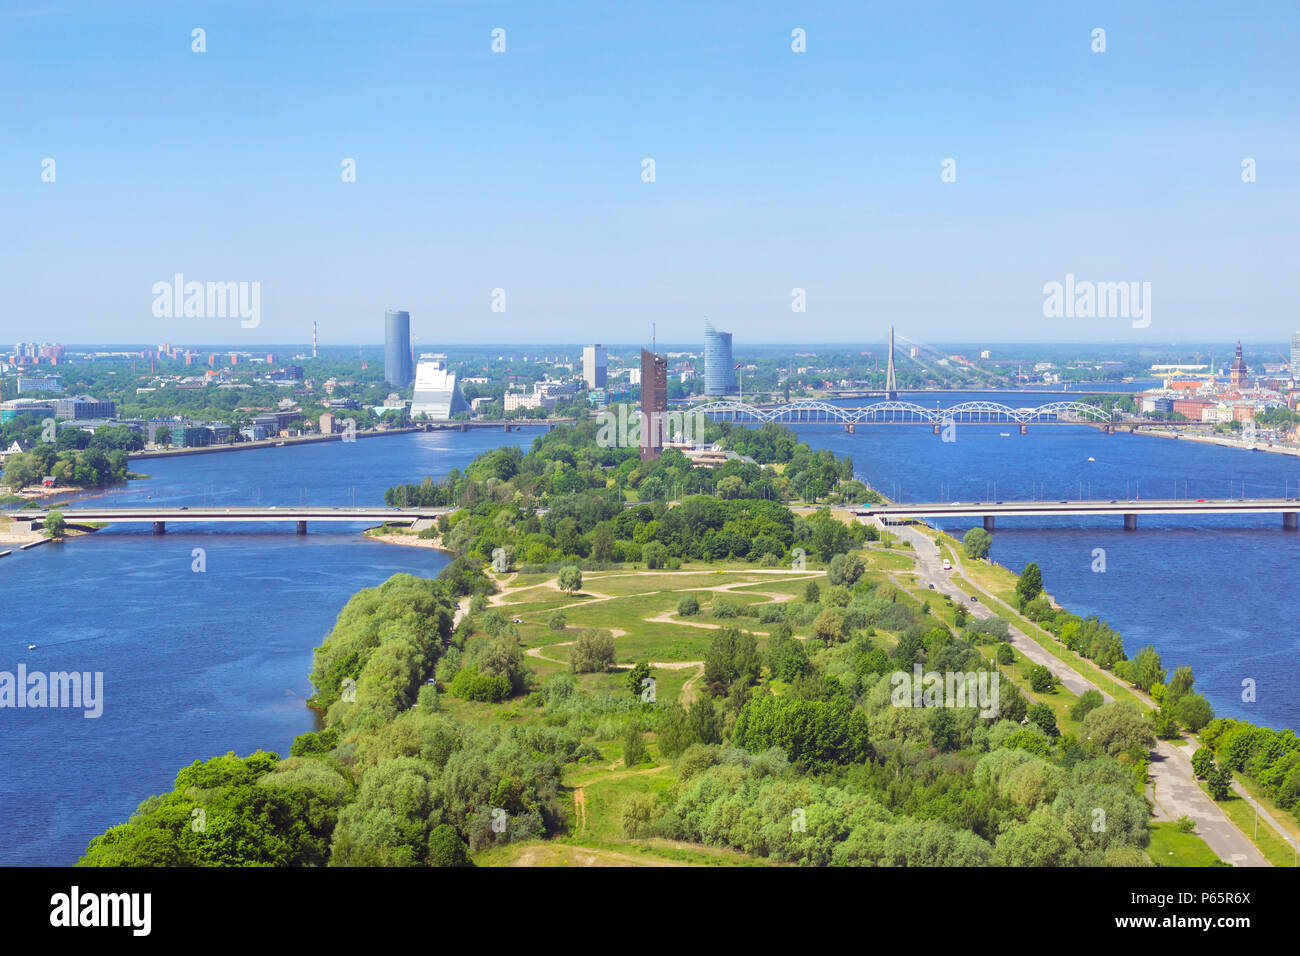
[1173,784]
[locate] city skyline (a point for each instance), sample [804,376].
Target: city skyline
[817,173]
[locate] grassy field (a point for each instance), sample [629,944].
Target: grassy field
[1172,847]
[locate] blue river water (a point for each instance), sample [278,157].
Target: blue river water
[196,664]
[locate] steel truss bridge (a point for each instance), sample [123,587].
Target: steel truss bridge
[907,413]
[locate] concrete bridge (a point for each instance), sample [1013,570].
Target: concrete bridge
[1288,508]
[510,424]
[160,517]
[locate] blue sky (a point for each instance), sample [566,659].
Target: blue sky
[774,170]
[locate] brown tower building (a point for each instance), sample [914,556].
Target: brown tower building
[1237,370]
[654,404]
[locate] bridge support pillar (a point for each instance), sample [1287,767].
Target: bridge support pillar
[464,428]
[849,429]
[936,429]
[1290,520]
[1130,522]
[988,523]
[160,527]
[506,427]
[302,527]
[1024,429]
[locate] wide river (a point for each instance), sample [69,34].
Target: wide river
[196,664]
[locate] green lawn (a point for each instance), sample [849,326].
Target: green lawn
[1172,847]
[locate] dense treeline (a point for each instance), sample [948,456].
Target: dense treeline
[389,780]
[565,502]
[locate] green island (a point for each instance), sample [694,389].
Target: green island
[650,663]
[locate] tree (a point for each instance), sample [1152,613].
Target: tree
[1193,711]
[55,526]
[1088,701]
[1030,584]
[1041,679]
[1115,728]
[1146,668]
[570,579]
[1042,715]
[1005,654]
[829,626]
[635,750]
[1219,781]
[446,848]
[637,677]
[557,621]
[654,554]
[976,543]
[844,569]
[1202,762]
[688,606]
[812,593]
[814,734]
[593,652]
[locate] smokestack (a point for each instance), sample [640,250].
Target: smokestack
[313,339]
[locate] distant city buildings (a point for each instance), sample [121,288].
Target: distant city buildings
[1295,354]
[78,407]
[397,348]
[719,367]
[595,366]
[40,383]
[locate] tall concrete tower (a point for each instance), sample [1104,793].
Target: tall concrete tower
[397,348]
[891,383]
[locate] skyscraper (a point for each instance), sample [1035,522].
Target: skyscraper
[719,369]
[654,404]
[397,348]
[1295,354]
[595,366]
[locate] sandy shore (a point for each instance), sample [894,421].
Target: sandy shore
[408,540]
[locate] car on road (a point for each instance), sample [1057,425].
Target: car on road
[185,507]
[1200,499]
[931,587]
[974,598]
[947,565]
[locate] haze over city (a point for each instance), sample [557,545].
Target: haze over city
[774,170]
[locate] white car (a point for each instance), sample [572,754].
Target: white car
[947,565]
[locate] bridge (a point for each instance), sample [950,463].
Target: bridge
[909,413]
[1288,508]
[161,517]
[508,424]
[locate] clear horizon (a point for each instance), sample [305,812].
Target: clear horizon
[774,170]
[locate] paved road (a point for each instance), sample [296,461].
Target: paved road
[1173,788]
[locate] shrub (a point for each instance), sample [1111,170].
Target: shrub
[688,606]
[470,684]
[557,621]
[592,652]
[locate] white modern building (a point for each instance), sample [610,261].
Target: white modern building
[436,393]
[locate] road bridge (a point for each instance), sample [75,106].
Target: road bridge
[989,511]
[160,517]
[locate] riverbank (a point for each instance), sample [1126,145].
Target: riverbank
[1221,441]
[265,443]
[408,539]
